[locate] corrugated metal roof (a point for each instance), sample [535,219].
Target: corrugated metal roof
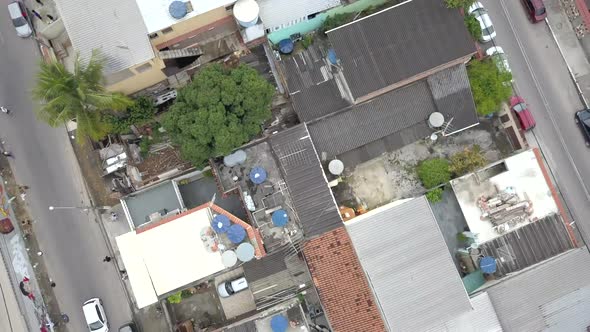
[312,198]
[528,245]
[249,326]
[453,98]
[115,27]
[482,318]
[398,111]
[374,119]
[283,13]
[257,269]
[408,265]
[532,299]
[399,43]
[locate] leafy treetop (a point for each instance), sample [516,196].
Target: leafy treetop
[490,85]
[219,111]
[467,161]
[141,112]
[434,172]
[77,95]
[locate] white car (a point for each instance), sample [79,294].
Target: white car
[481,14]
[496,53]
[18,15]
[228,288]
[95,316]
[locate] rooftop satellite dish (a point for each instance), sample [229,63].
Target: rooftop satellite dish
[336,167]
[433,137]
[436,120]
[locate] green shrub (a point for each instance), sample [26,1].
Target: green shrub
[334,21]
[472,26]
[490,85]
[144,147]
[467,161]
[459,3]
[186,294]
[434,172]
[307,41]
[175,298]
[141,112]
[435,195]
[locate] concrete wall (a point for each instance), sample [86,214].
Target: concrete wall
[140,81]
[189,25]
[316,22]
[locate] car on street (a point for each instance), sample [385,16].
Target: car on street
[95,316]
[535,10]
[524,115]
[228,288]
[18,15]
[496,53]
[583,119]
[485,22]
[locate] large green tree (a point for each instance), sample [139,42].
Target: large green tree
[218,111]
[490,85]
[78,95]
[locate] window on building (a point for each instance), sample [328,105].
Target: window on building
[143,68]
[267,30]
[167,30]
[310,16]
[153,35]
[229,8]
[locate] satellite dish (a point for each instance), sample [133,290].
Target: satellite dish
[433,137]
[436,120]
[336,167]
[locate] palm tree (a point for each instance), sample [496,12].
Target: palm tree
[78,96]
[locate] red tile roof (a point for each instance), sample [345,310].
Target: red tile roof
[341,283]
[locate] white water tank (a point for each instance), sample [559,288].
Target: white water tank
[246,12]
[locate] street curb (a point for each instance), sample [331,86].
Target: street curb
[569,69]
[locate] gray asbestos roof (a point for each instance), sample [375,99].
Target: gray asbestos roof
[482,318]
[399,43]
[141,204]
[408,265]
[115,27]
[552,296]
[404,110]
[312,198]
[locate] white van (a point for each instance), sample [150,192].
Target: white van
[228,288]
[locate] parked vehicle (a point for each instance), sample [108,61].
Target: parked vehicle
[129,327]
[496,53]
[583,119]
[535,10]
[228,288]
[95,316]
[18,15]
[485,22]
[524,115]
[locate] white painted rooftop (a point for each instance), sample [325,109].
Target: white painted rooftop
[157,17]
[523,174]
[168,256]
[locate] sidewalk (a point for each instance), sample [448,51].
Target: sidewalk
[569,45]
[17,267]
[148,318]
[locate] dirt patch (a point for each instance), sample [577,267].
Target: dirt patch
[161,161]
[24,221]
[90,165]
[392,176]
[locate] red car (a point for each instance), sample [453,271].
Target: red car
[524,115]
[535,10]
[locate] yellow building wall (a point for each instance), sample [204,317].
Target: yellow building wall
[140,81]
[190,24]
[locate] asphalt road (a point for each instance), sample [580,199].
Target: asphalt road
[542,79]
[70,239]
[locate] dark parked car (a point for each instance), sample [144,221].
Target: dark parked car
[535,10]
[583,119]
[524,115]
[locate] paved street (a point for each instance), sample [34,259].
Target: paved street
[71,240]
[542,78]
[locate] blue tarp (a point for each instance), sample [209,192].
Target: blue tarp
[332,56]
[488,264]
